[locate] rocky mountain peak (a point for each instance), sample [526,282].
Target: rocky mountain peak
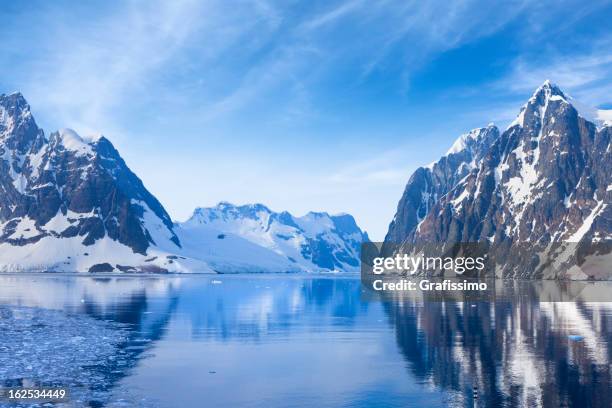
[547,98]
[542,182]
[69,140]
[14,104]
[473,140]
[75,192]
[345,223]
[549,89]
[18,130]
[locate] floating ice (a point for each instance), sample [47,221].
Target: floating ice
[575,337]
[51,348]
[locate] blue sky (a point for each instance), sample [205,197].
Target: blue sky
[312,105]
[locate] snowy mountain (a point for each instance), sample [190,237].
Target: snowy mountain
[71,204]
[543,182]
[314,242]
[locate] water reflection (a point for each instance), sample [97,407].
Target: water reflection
[292,340]
[512,354]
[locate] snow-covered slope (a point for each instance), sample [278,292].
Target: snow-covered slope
[225,252]
[314,242]
[71,204]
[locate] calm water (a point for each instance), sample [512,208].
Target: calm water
[294,341]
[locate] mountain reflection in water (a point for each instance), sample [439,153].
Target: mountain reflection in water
[276,341]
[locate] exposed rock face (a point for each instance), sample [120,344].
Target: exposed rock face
[430,183]
[68,187]
[316,241]
[542,182]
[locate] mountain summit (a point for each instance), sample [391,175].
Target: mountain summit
[543,181]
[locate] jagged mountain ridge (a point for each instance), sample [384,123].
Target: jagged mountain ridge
[429,183]
[542,181]
[64,196]
[316,241]
[71,203]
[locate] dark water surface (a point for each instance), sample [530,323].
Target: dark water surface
[294,341]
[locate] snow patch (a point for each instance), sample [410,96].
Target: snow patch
[75,143]
[26,228]
[464,140]
[588,221]
[457,202]
[159,232]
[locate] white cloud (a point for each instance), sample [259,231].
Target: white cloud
[425,29]
[331,16]
[585,74]
[572,72]
[81,82]
[90,69]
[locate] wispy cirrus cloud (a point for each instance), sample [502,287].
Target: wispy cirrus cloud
[86,68]
[584,74]
[395,37]
[81,83]
[331,16]
[242,53]
[81,73]
[384,167]
[575,72]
